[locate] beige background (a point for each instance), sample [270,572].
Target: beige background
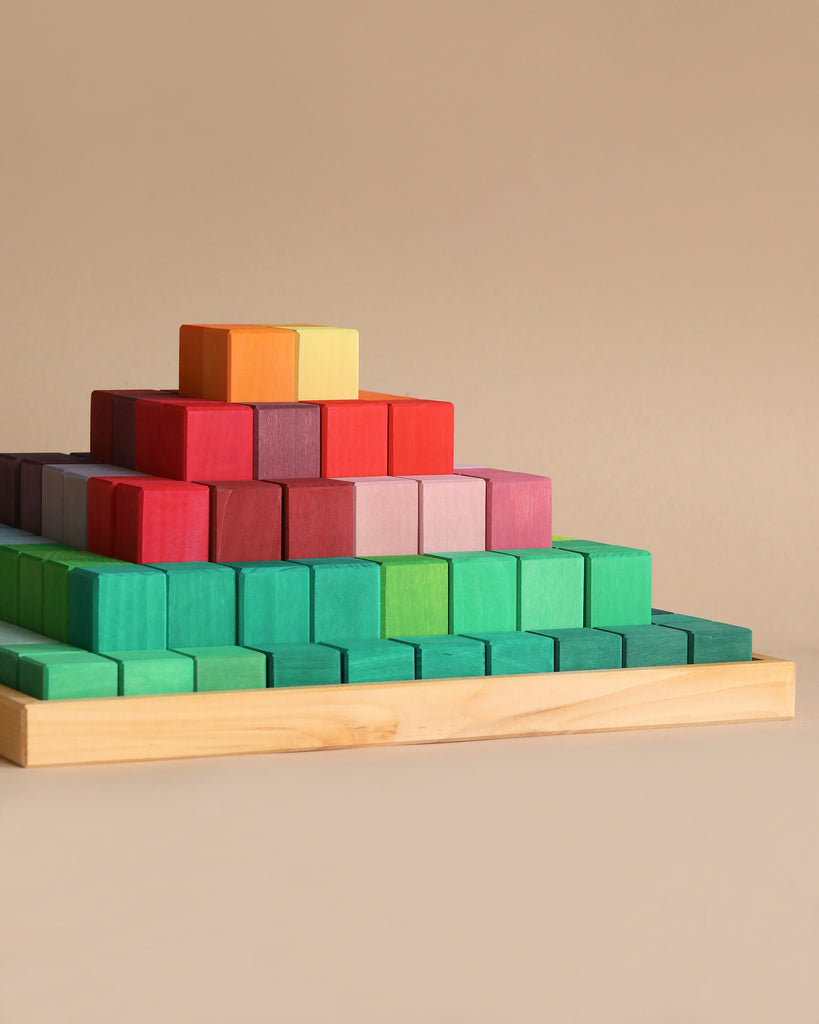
[593,226]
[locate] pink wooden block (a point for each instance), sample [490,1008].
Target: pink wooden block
[385,510]
[451,513]
[518,508]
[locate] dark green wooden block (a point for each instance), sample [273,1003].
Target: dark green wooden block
[10,654]
[579,650]
[227,668]
[550,588]
[617,583]
[446,657]
[117,608]
[710,641]
[30,582]
[9,576]
[483,591]
[302,664]
[414,595]
[67,675]
[54,576]
[512,653]
[375,661]
[644,646]
[201,604]
[144,672]
[345,599]
[273,603]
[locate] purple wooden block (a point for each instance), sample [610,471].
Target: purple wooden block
[451,513]
[286,440]
[31,486]
[518,508]
[385,510]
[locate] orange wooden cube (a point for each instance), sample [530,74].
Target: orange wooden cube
[237,362]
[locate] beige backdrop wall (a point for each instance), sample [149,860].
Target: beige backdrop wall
[592,225]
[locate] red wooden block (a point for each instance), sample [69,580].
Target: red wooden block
[286,440]
[245,521]
[102,423]
[518,509]
[193,439]
[31,486]
[161,520]
[317,518]
[101,512]
[353,438]
[421,437]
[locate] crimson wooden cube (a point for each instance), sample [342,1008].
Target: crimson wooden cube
[102,423]
[245,521]
[353,438]
[161,520]
[286,440]
[317,518]
[100,497]
[518,508]
[420,437]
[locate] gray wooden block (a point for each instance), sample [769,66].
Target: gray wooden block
[75,500]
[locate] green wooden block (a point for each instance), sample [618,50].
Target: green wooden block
[578,650]
[67,676]
[10,654]
[550,588]
[414,595]
[143,672]
[227,668]
[345,599]
[644,646]
[446,657]
[512,653]
[9,576]
[483,591]
[617,583]
[302,664]
[273,603]
[710,641]
[375,661]
[30,582]
[201,604]
[55,573]
[117,608]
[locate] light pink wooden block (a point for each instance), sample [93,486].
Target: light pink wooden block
[385,510]
[518,508]
[451,513]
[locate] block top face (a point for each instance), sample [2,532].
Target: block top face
[142,656]
[114,569]
[498,474]
[387,561]
[540,554]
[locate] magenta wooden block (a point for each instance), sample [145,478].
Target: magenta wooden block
[518,508]
[385,515]
[451,513]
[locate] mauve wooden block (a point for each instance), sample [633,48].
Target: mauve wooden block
[286,440]
[103,419]
[451,513]
[75,500]
[53,492]
[31,487]
[385,509]
[353,438]
[518,508]
[420,437]
[10,482]
[245,521]
[100,506]
[160,520]
[317,518]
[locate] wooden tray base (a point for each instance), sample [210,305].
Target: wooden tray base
[34,732]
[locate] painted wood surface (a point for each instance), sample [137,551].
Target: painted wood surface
[286,440]
[245,521]
[385,510]
[451,513]
[518,508]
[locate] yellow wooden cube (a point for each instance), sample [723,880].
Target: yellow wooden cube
[326,362]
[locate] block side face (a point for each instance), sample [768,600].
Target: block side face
[586,649]
[318,519]
[303,665]
[421,438]
[447,657]
[414,597]
[550,588]
[386,516]
[327,361]
[273,602]
[287,441]
[515,653]
[201,604]
[483,590]
[451,513]
[245,522]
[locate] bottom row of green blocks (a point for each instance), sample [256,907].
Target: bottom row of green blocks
[50,670]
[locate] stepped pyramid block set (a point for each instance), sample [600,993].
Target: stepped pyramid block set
[270,528]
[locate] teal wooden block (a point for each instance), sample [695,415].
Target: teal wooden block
[375,661]
[10,577]
[578,650]
[512,653]
[644,646]
[550,588]
[446,657]
[227,668]
[201,604]
[67,676]
[617,583]
[117,608]
[144,672]
[273,603]
[710,641]
[483,591]
[345,599]
[10,654]
[302,664]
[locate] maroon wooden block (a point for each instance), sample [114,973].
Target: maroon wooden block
[286,440]
[103,423]
[318,518]
[160,520]
[518,508]
[245,521]
[31,486]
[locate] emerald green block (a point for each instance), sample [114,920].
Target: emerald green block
[550,588]
[273,603]
[512,653]
[143,672]
[227,668]
[10,654]
[644,646]
[117,608]
[414,595]
[375,661]
[9,576]
[201,604]
[55,572]
[302,664]
[67,675]
[710,641]
[446,657]
[483,591]
[617,583]
[345,599]
[579,650]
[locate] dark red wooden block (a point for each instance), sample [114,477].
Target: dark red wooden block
[31,486]
[286,440]
[160,520]
[353,438]
[101,512]
[103,421]
[317,518]
[421,438]
[10,482]
[245,521]
[518,508]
